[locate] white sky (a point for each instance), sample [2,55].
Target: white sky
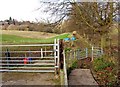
[20,10]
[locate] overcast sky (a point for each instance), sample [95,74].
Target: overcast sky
[20,10]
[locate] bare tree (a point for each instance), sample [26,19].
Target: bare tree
[89,19]
[97,16]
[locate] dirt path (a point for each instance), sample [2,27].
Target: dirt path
[29,79]
[81,77]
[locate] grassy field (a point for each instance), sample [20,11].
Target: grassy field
[13,39]
[29,34]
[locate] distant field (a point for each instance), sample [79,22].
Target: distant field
[16,39]
[29,34]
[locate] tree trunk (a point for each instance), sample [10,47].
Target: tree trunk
[102,41]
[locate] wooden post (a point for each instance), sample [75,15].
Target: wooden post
[92,53]
[61,53]
[65,71]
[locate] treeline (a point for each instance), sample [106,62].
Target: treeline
[12,24]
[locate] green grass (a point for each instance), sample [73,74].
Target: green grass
[13,39]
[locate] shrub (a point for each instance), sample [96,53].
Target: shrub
[57,31]
[48,30]
[101,63]
[67,49]
[105,71]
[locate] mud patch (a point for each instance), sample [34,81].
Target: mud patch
[28,79]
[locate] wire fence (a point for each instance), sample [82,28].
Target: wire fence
[92,52]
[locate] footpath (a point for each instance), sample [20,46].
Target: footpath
[81,77]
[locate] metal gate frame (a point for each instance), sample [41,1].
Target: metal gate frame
[55,61]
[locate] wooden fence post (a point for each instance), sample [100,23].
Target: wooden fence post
[61,53]
[92,53]
[65,71]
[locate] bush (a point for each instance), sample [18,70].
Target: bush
[57,31]
[105,71]
[100,64]
[67,49]
[48,30]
